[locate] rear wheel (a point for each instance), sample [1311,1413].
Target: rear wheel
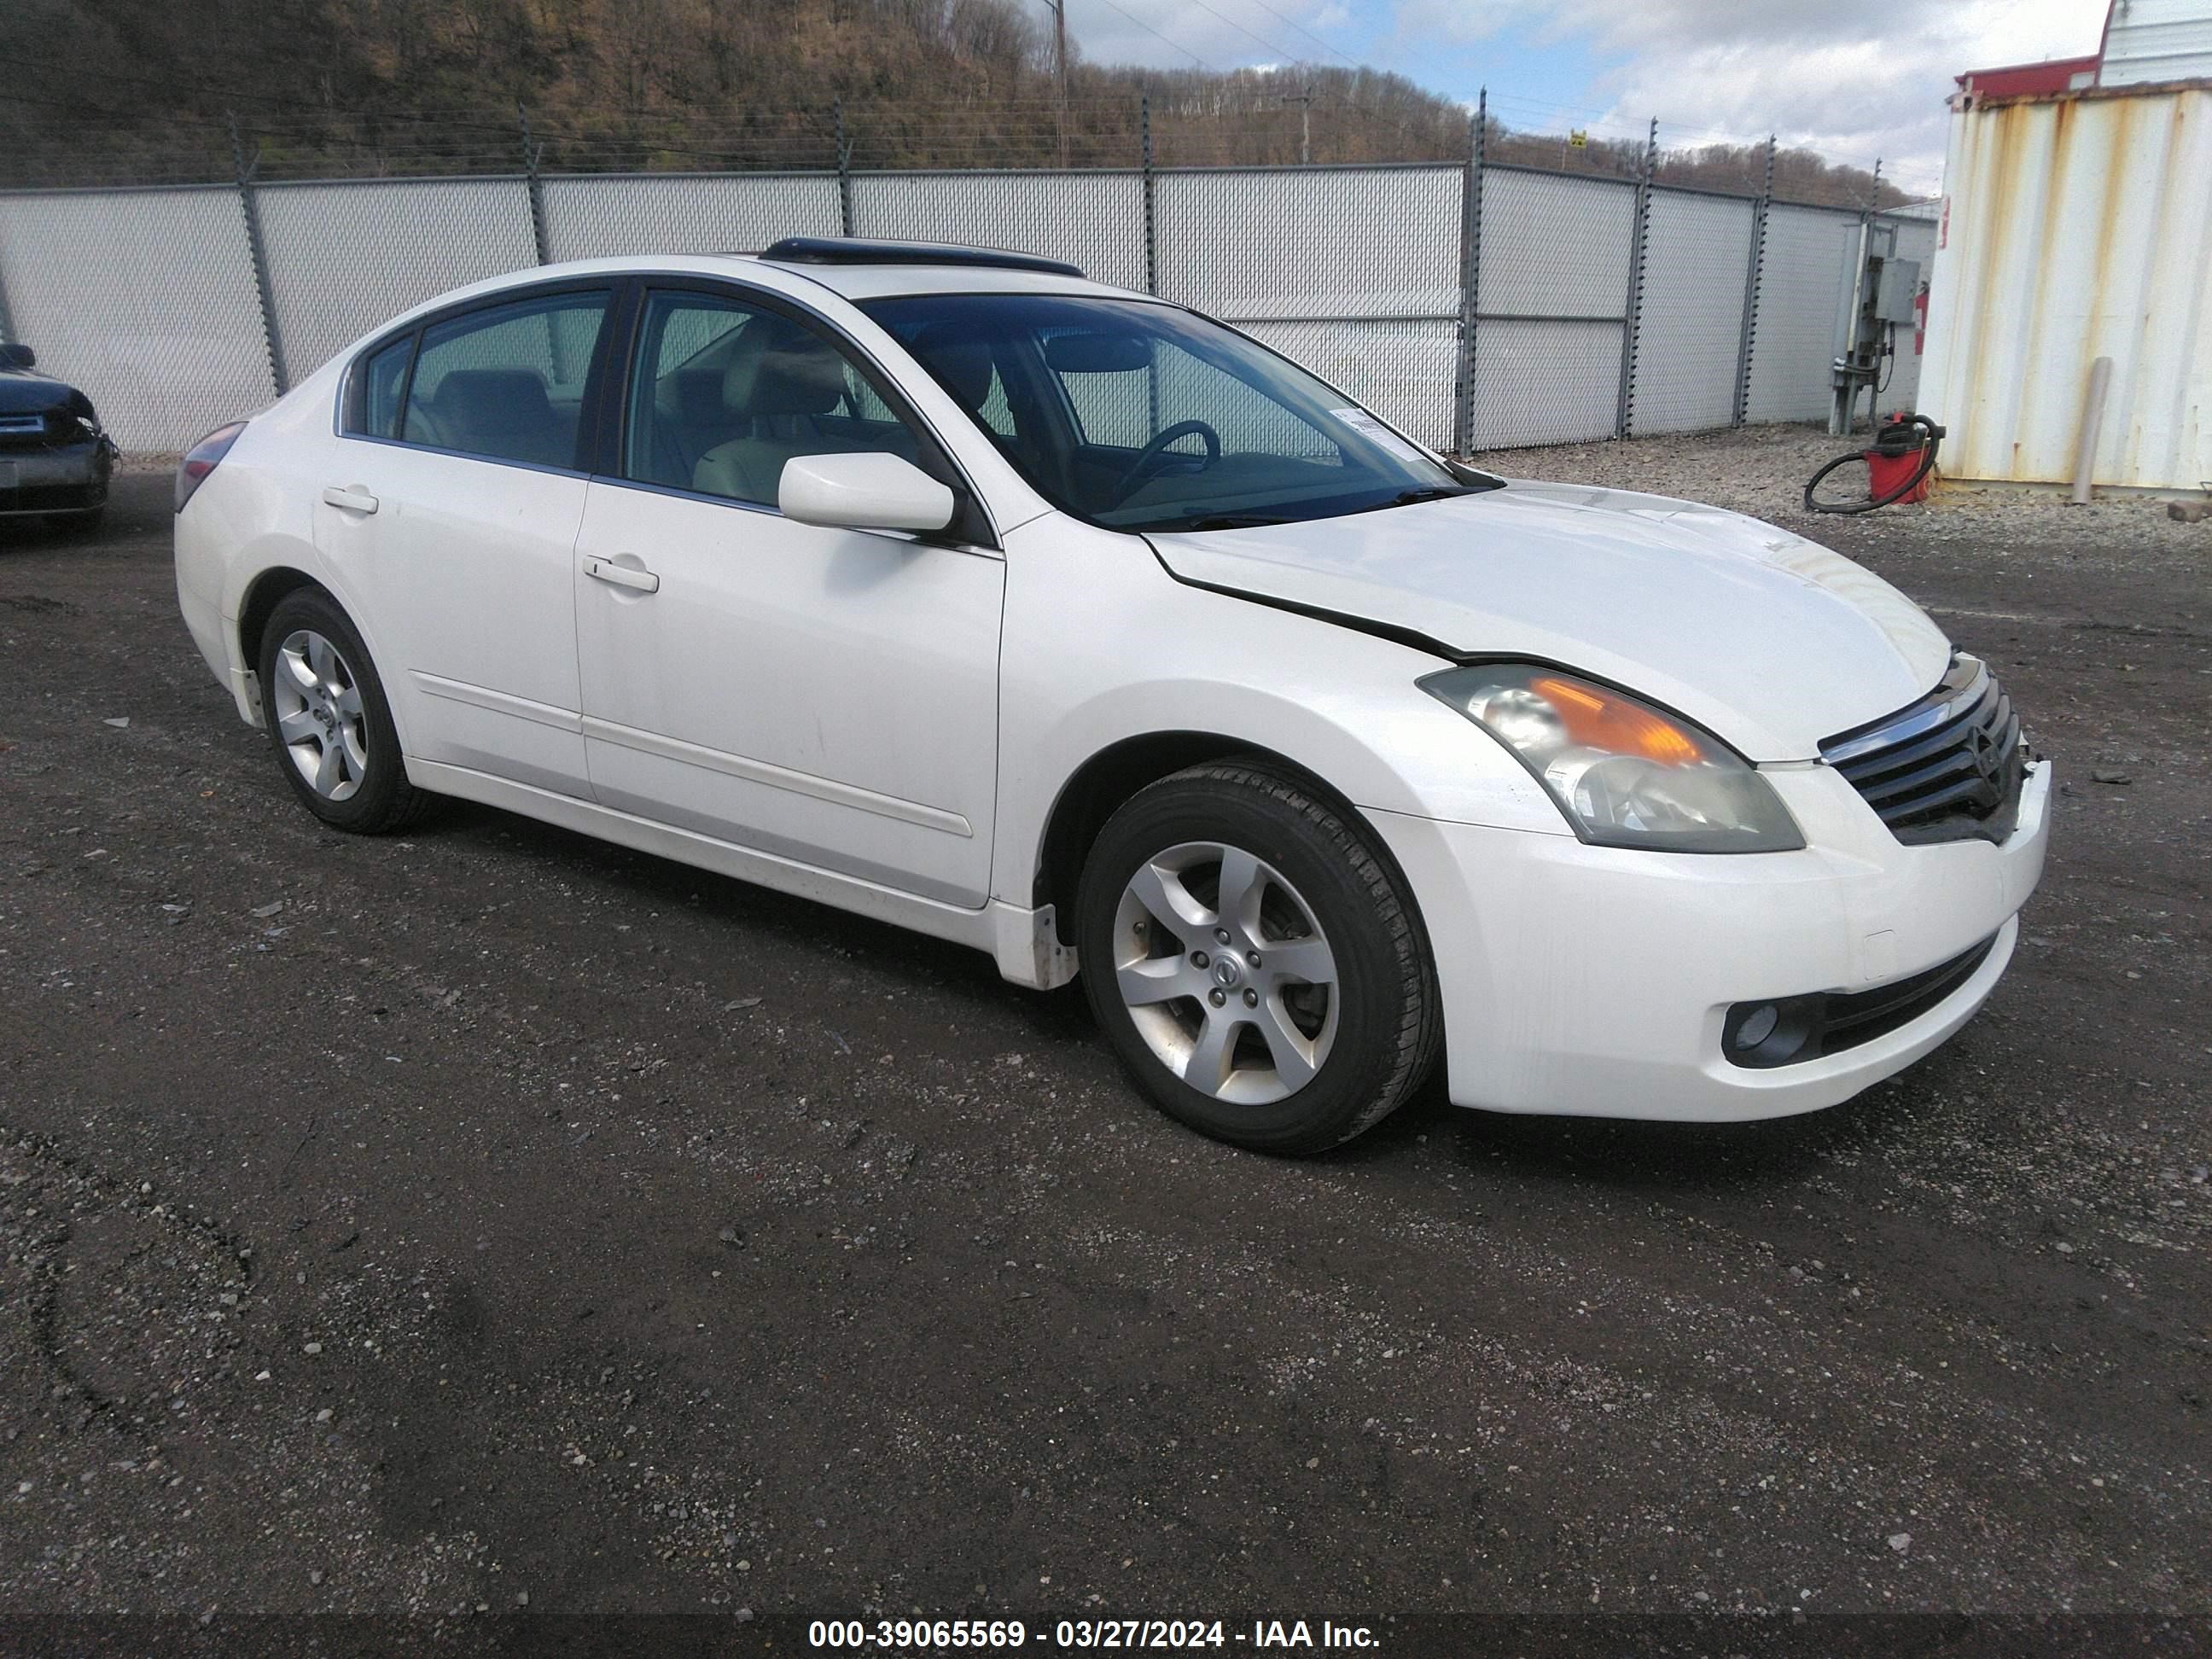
[1254,963]
[328,720]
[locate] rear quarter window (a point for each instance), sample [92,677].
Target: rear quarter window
[383,380]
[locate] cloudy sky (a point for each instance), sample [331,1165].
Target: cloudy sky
[1854,79]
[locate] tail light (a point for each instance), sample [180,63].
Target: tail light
[201,458]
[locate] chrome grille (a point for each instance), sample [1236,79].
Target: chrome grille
[1946,768]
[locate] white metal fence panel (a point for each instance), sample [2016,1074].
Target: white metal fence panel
[1545,382]
[1553,302]
[1312,243]
[1555,247]
[1804,286]
[342,257]
[1696,250]
[143,299]
[1093,220]
[591,215]
[1403,371]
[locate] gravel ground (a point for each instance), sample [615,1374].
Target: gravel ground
[1762,471]
[490,1220]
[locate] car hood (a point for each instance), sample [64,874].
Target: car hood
[1769,640]
[23,393]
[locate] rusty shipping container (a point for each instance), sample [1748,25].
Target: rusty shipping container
[2076,224]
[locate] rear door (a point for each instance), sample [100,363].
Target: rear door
[450,513]
[829,696]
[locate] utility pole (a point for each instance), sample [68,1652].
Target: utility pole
[1304,101]
[1059,68]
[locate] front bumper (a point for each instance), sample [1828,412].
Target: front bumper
[59,479]
[1595,981]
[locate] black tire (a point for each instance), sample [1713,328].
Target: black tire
[383,800]
[1388,1024]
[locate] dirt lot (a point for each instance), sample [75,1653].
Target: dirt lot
[490,1219]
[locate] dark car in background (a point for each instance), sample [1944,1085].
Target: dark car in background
[54,458]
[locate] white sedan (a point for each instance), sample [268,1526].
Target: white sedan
[946,587]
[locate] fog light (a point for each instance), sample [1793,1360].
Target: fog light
[1774,1032]
[1757,1026]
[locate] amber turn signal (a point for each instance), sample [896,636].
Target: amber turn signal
[1616,725]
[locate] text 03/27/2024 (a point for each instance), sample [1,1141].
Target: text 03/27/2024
[936,1634]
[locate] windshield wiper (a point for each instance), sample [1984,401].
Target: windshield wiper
[1409,497]
[1233,521]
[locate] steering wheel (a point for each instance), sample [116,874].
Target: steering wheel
[1153,457]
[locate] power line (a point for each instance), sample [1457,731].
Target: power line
[1272,47]
[1308,33]
[1204,64]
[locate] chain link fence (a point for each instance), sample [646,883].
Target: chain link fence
[1479,307]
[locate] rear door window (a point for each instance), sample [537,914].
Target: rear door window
[507,382]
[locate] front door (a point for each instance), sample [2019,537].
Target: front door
[827,697]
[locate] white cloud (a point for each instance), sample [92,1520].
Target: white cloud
[1164,34]
[1852,81]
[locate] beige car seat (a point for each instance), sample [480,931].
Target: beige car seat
[773,395]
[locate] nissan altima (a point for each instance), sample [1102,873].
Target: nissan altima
[949,588]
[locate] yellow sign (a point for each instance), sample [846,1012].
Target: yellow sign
[1577,139]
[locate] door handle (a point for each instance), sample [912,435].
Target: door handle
[622,576]
[352,498]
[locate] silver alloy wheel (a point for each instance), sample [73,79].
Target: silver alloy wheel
[319,719]
[1225,973]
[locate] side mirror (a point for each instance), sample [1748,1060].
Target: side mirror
[17,356]
[872,491]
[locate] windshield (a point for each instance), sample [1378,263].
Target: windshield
[1141,416]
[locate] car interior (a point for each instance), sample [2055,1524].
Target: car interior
[724,419]
[1115,424]
[507,382]
[507,412]
[1114,417]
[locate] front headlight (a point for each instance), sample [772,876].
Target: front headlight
[1625,774]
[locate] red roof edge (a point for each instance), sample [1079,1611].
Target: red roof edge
[2028,80]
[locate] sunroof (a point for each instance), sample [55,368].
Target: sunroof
[854,251]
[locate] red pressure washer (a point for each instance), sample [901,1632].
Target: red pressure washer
[1898,466]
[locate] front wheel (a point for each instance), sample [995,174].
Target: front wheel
[1254,963]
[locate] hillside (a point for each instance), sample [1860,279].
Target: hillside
[146,90]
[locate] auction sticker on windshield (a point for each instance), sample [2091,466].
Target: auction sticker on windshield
[1373,430]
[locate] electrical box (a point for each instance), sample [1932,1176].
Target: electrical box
[1895,289]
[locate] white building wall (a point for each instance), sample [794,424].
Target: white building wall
[2075,228]
[2147,42]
